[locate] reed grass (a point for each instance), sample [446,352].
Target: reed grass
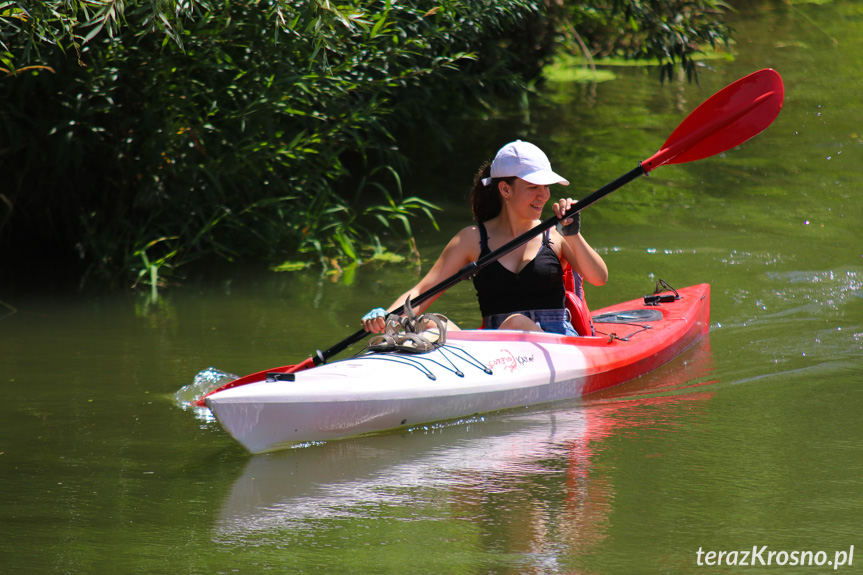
[137,136]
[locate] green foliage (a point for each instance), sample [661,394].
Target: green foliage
[223,127]
[146,133]
[670,32]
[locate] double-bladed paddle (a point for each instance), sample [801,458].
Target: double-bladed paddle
[727,119]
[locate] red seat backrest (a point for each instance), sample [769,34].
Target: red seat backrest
[575,303]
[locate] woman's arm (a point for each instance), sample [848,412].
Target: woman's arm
[462,249]
[578,252]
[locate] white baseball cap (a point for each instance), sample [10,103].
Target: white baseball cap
[526,161]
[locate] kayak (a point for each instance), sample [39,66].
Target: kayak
[475,372]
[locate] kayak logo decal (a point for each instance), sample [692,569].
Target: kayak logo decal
[509,361]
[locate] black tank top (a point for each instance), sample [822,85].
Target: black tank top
[538,286]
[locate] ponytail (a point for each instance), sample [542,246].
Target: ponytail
[485,202]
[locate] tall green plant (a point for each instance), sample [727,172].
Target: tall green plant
[159,131]
[670,32]
[223,126]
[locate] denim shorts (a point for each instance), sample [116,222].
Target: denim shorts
[549,320]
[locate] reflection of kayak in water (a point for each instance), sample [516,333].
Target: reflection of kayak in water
[471,459]
[328,480]
[477,371]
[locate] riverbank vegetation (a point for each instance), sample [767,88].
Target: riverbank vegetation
[138,136]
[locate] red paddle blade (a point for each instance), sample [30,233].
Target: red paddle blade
[727,119]
[253,377]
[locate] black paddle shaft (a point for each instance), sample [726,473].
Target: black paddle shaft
[473,268]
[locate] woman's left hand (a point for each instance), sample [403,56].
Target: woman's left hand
[566,226]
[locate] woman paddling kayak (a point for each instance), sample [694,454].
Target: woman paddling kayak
[524,289]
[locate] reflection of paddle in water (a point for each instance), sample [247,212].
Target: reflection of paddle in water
[516,476]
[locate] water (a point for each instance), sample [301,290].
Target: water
[751,438]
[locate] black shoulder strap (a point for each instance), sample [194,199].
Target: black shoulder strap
[483,239]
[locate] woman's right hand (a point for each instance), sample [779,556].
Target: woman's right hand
[375,321]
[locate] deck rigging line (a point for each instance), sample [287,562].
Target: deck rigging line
[448,353]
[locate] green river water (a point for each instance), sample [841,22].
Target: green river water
[752,438]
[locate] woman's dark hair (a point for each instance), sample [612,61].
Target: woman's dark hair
[485,202]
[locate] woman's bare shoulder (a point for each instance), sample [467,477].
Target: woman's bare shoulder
[466,243]
[469,233]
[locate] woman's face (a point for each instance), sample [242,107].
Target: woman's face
[524,197]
